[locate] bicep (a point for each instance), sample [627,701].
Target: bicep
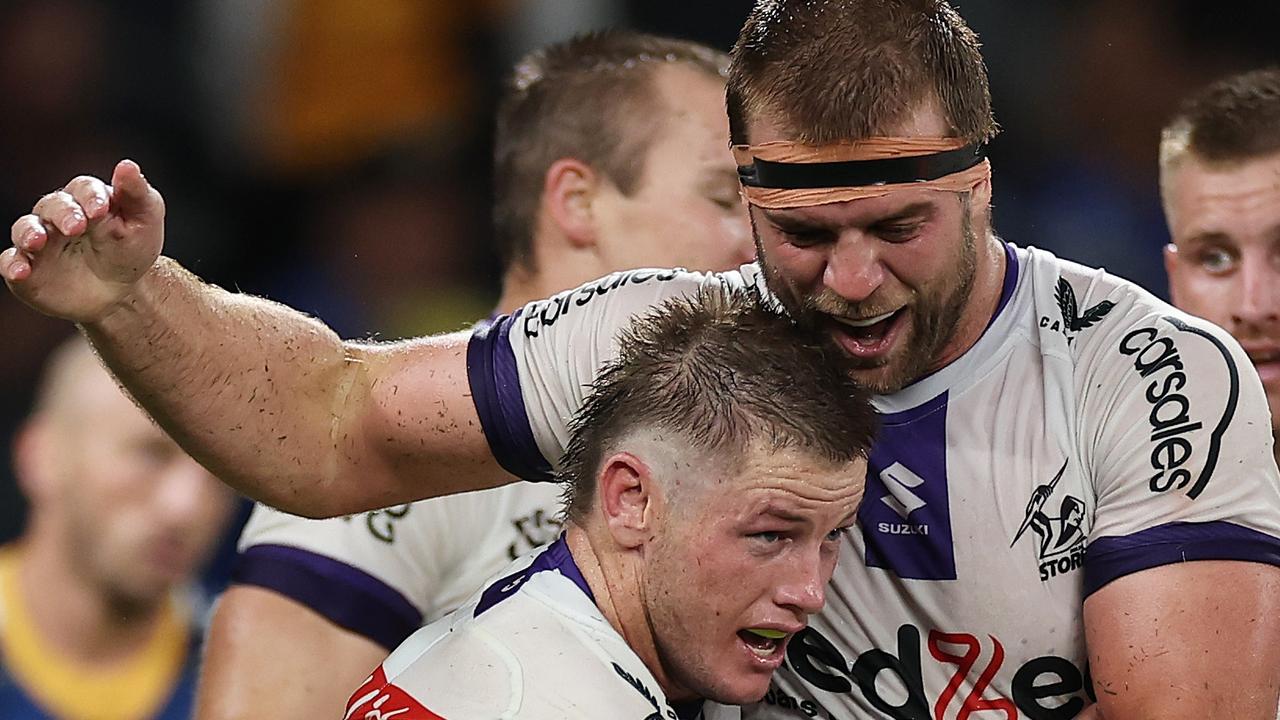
[1187,640]
[268,656]
[417,432]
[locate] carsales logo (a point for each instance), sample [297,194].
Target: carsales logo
[1173,426]
[1044,688]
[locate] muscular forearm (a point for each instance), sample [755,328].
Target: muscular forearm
[254,390]
[269,399]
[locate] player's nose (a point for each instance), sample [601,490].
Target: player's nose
[853,269]
[1259,302]
[804,586]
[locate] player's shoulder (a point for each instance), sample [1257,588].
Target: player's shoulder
[540,651]
[1104,319]
[573,663]
[447,668]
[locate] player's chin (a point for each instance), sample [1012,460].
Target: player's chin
[896,373]
[741,688]
[743,674]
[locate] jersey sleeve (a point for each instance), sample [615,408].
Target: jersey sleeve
[529,371]
[355,571]
[1177,434]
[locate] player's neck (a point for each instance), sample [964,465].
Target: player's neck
[72,613]
[984,299]
[616,587]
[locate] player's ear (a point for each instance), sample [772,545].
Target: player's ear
[626,493]
[1171,270]
[568,191]
[980,202]
[35,459]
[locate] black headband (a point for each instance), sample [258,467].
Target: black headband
[857,173]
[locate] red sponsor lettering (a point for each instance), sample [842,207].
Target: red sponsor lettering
[974,702]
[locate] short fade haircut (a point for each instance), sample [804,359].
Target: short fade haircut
[848,70]
[590,98]
[1232,120]
[722,371]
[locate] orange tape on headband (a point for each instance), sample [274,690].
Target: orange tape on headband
[786,174]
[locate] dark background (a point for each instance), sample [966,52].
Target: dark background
[334,155]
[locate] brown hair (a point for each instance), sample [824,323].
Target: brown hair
[1236,118]
[588,98]
[854,69]
[720,371]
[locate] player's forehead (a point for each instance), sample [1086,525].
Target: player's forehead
[905,205]
[926,120]
[789,485]
[768,124]
[1239,201]
[687,119]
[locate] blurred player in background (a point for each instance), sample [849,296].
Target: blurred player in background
[711,477]
[1220,180]
[611,153]
[93,624]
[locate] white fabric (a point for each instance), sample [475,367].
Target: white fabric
[435,553]
[940,607]
[542,652]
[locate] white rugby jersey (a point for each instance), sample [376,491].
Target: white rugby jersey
[382,574]
[1092,431]
[531,646]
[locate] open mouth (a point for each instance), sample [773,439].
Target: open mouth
[764,643]
[868,337]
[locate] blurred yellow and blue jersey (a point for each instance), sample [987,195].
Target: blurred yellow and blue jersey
[38,682]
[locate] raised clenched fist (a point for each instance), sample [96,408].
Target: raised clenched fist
[82,249]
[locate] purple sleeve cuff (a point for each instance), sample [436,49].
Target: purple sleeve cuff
[495,390]
[345,595]
[1109,558]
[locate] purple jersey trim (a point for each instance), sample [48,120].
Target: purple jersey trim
[345,595]
[495,389]
[1109,558]
[556,557]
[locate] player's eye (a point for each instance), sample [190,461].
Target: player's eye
[898,232]
[767,536]
[1216,260]
[807,238]
[155,451]
[726,202]
[838,534]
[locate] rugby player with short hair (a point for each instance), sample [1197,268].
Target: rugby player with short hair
[94,618]
[1220,181]
[710,478]
[1072,500]
[610,154]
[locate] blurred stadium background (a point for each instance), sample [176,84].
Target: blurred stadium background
[333,154]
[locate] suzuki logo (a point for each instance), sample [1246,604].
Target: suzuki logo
[898,480]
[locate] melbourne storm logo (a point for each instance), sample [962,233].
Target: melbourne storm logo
[1073,321]
[1062,536]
